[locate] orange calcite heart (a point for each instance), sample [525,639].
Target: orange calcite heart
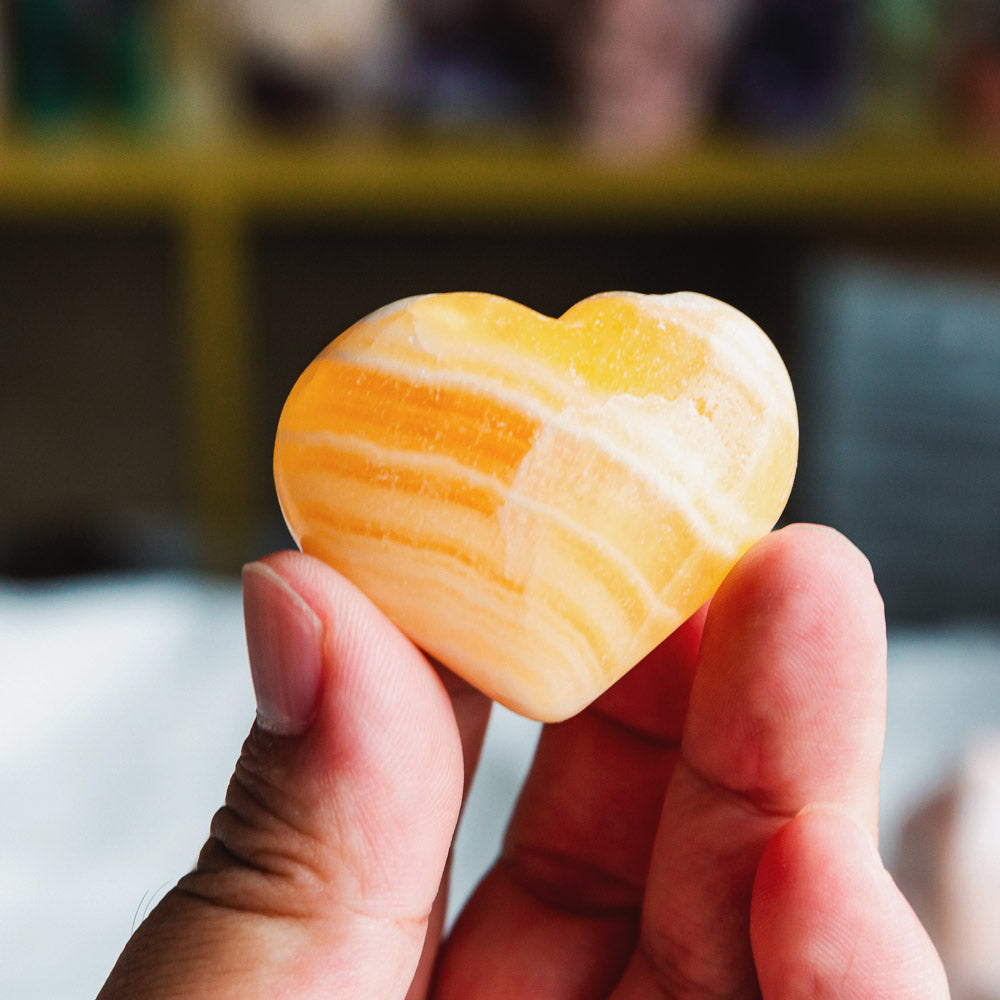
[539,502]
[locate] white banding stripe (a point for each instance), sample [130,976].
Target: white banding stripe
[766,386]
[481,383]
[447,466]
[567,644]
[719,513]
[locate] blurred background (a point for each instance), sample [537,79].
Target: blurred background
[196,197]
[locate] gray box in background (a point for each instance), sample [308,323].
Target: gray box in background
[899,394]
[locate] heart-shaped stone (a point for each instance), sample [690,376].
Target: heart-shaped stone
[539,502]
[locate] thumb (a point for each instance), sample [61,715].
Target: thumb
[322,866]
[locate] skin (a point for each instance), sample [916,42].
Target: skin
[705,829]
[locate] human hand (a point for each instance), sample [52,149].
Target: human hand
[706,828]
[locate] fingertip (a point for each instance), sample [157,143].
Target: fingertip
[355,630]
[802,905]
[805,558]
[824,537]
[788,702]
[383,687]
[827,919]
[805,596]
[827,547]
[318,585]
[819,855]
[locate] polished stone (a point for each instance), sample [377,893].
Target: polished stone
[539,502]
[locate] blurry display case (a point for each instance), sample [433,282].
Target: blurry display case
[194,199]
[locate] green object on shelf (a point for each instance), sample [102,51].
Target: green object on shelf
[45,71]
[71,61]
[906,40]
[122,61]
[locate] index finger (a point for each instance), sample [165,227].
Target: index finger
[787,710]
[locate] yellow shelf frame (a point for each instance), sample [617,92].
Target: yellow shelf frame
[209,194]
[394,179]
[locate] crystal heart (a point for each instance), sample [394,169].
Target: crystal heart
[539,502]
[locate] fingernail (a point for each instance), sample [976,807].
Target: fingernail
[284,642]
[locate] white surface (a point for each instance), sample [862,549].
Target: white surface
[125,706]
[126,702]
[944,693]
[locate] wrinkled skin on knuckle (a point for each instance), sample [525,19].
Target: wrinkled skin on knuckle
[264,853]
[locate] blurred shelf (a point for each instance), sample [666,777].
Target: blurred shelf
[517,181]
[208,195]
